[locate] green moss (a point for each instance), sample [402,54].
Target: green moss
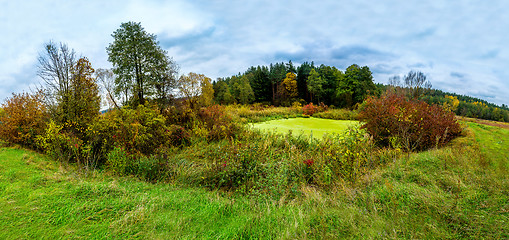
[316,127]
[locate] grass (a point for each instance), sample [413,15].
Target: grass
[315,127]
[459,191]
[42,199]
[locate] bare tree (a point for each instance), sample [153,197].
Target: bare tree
[107,79]
[55,68]
[416,83]
[395,81]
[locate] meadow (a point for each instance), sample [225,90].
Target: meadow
[458,191]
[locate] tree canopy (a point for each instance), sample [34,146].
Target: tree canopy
[143,69]
[356,85]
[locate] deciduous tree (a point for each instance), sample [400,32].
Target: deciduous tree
[242,90]
[415,82]
[222,94]
[207,92]
[84,95]
[289,84]
[142,67]
[106,78]
[193,86]
[331,77]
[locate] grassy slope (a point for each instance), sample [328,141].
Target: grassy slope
[317,126]
[461,191]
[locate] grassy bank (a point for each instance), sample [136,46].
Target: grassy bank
[460,191]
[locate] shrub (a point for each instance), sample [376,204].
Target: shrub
[238,166]
[180,114]
[218,123]
[24,116]
[411,123]
[309,109]
[140,130]
[343,156]
[120,161]
[61,145]
[178,136]
[279,165]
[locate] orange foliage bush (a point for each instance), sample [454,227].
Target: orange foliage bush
[24,116]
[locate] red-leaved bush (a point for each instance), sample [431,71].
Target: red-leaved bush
[408,123]
[311,109]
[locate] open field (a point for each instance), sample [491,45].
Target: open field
[460,191]
[315,127]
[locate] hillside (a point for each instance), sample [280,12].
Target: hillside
[459,191]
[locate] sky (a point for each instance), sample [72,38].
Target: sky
[461,46]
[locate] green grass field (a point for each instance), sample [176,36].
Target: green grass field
[460,191]
[316,127]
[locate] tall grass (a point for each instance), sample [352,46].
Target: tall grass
[259,113]
[338,114]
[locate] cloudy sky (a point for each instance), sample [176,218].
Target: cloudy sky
[462,46]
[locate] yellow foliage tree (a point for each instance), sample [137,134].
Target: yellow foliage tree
[195,88]
[290,85]
[451,104]
[207,92]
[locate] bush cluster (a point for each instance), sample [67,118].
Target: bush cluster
[396,121]
[216,123]
[279,165]
[149,168]
[337,114]
[141,133]
[311,109]
[23,117]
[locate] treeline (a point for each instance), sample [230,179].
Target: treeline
[468,106]
[283,84]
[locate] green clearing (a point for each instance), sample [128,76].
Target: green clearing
[316,127]
[459,191]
